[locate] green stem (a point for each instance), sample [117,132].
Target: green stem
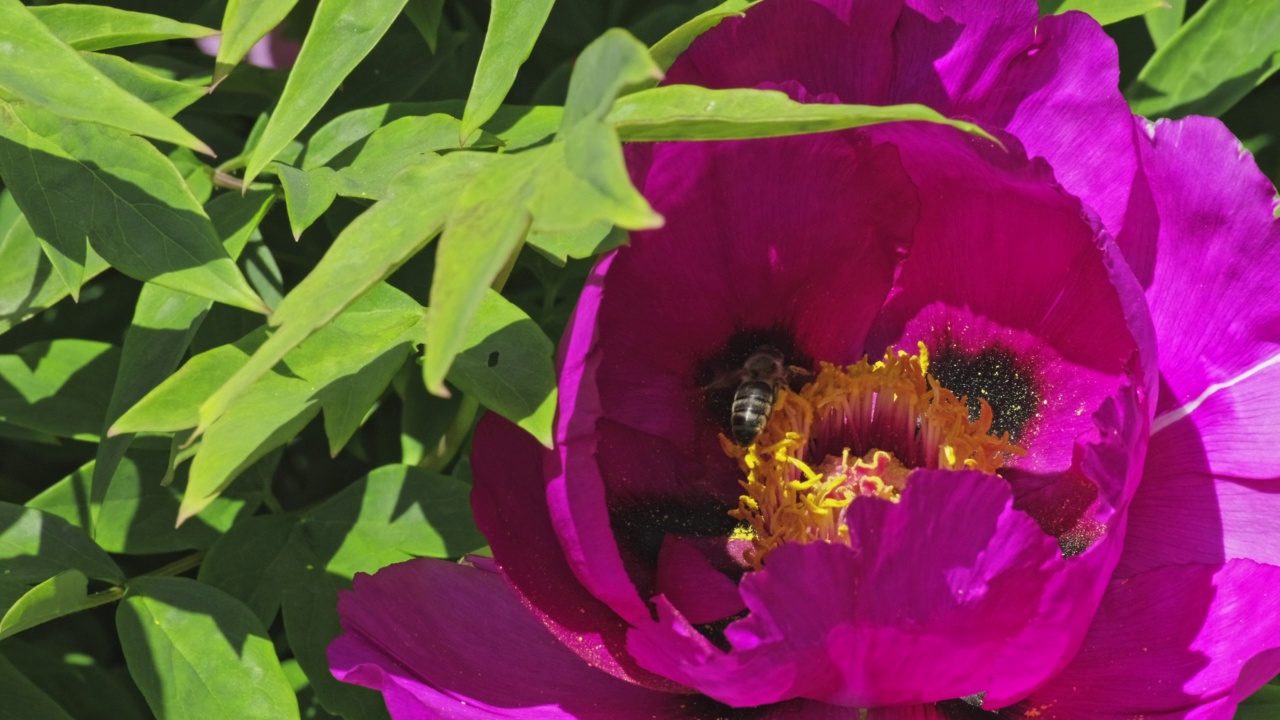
[454,438]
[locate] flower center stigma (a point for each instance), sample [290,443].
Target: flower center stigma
[854,432]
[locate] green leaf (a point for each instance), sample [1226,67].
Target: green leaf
[62,594]
[688,112]
[1225,50]
[254,562]
[136,516]
[23,700]
[196,652]
[595,239]
[665,51]
[425,15]
[35,546]
[167,96]
[367,251]
[1163,22]
[96,27]
[394,514]
[79,180]
[514,26]
[341,34]
[1105,12]
[611,64]
[1262,705]
[28,283]
[509,366]
[307,194]
[244,23]
[164,323]
[43,70]
[366,172]
[60,387]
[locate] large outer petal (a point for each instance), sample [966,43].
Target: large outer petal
[442,640]
[920,608]
[1174,643]
[1210,491]
[1052,82]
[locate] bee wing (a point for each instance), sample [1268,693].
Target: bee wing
[725,380]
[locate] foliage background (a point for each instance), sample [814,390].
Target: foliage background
[418,218]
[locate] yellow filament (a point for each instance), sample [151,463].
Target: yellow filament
[790,497]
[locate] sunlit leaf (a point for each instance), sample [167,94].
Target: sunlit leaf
[341,34]
[244,23]
[35,546]
[666,50]
[514,25]
[62,594]
[193,647]
[97,27]
[60,387]
[1225,50]
[426,15]
[1105,12]
[167,96]
[42,69]
[28,283]
[1164,22]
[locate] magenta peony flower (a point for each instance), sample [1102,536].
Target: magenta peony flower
[1019,463]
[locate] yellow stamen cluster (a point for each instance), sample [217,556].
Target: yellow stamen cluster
[892,412]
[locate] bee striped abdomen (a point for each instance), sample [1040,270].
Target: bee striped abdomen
[752,404]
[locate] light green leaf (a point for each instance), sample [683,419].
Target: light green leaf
[35,546]
[611,64]
[508,364]
[367,171]
[195,652]
[62,594]
[23,700]
[688,112]
[80,180]
[244,23]
[38,67]
[595,239]
[1163,23]
[28,283]
[307,194]
[666,50]
[1225,50]
[514,26]
[425,15]
[365,253]
[60,387]
[341,34]
[97,27]
[136,516]
[1105,12]
[164,323]
[167,96]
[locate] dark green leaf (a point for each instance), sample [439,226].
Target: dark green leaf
[62,594]
[1225,50]
[341,34]
[666,50]
[254,562]
[196,652]
[96,27]
[60,387]
[425,15]
[688,112]
[307,194]
[244,23]
[508,365]
[42,69]
[23,700]
[35,546]
[141,216]
[1104,11]
[514,26]
[84,686]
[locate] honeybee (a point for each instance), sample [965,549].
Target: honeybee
[758,381]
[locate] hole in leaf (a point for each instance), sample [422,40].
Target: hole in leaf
[493,358]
